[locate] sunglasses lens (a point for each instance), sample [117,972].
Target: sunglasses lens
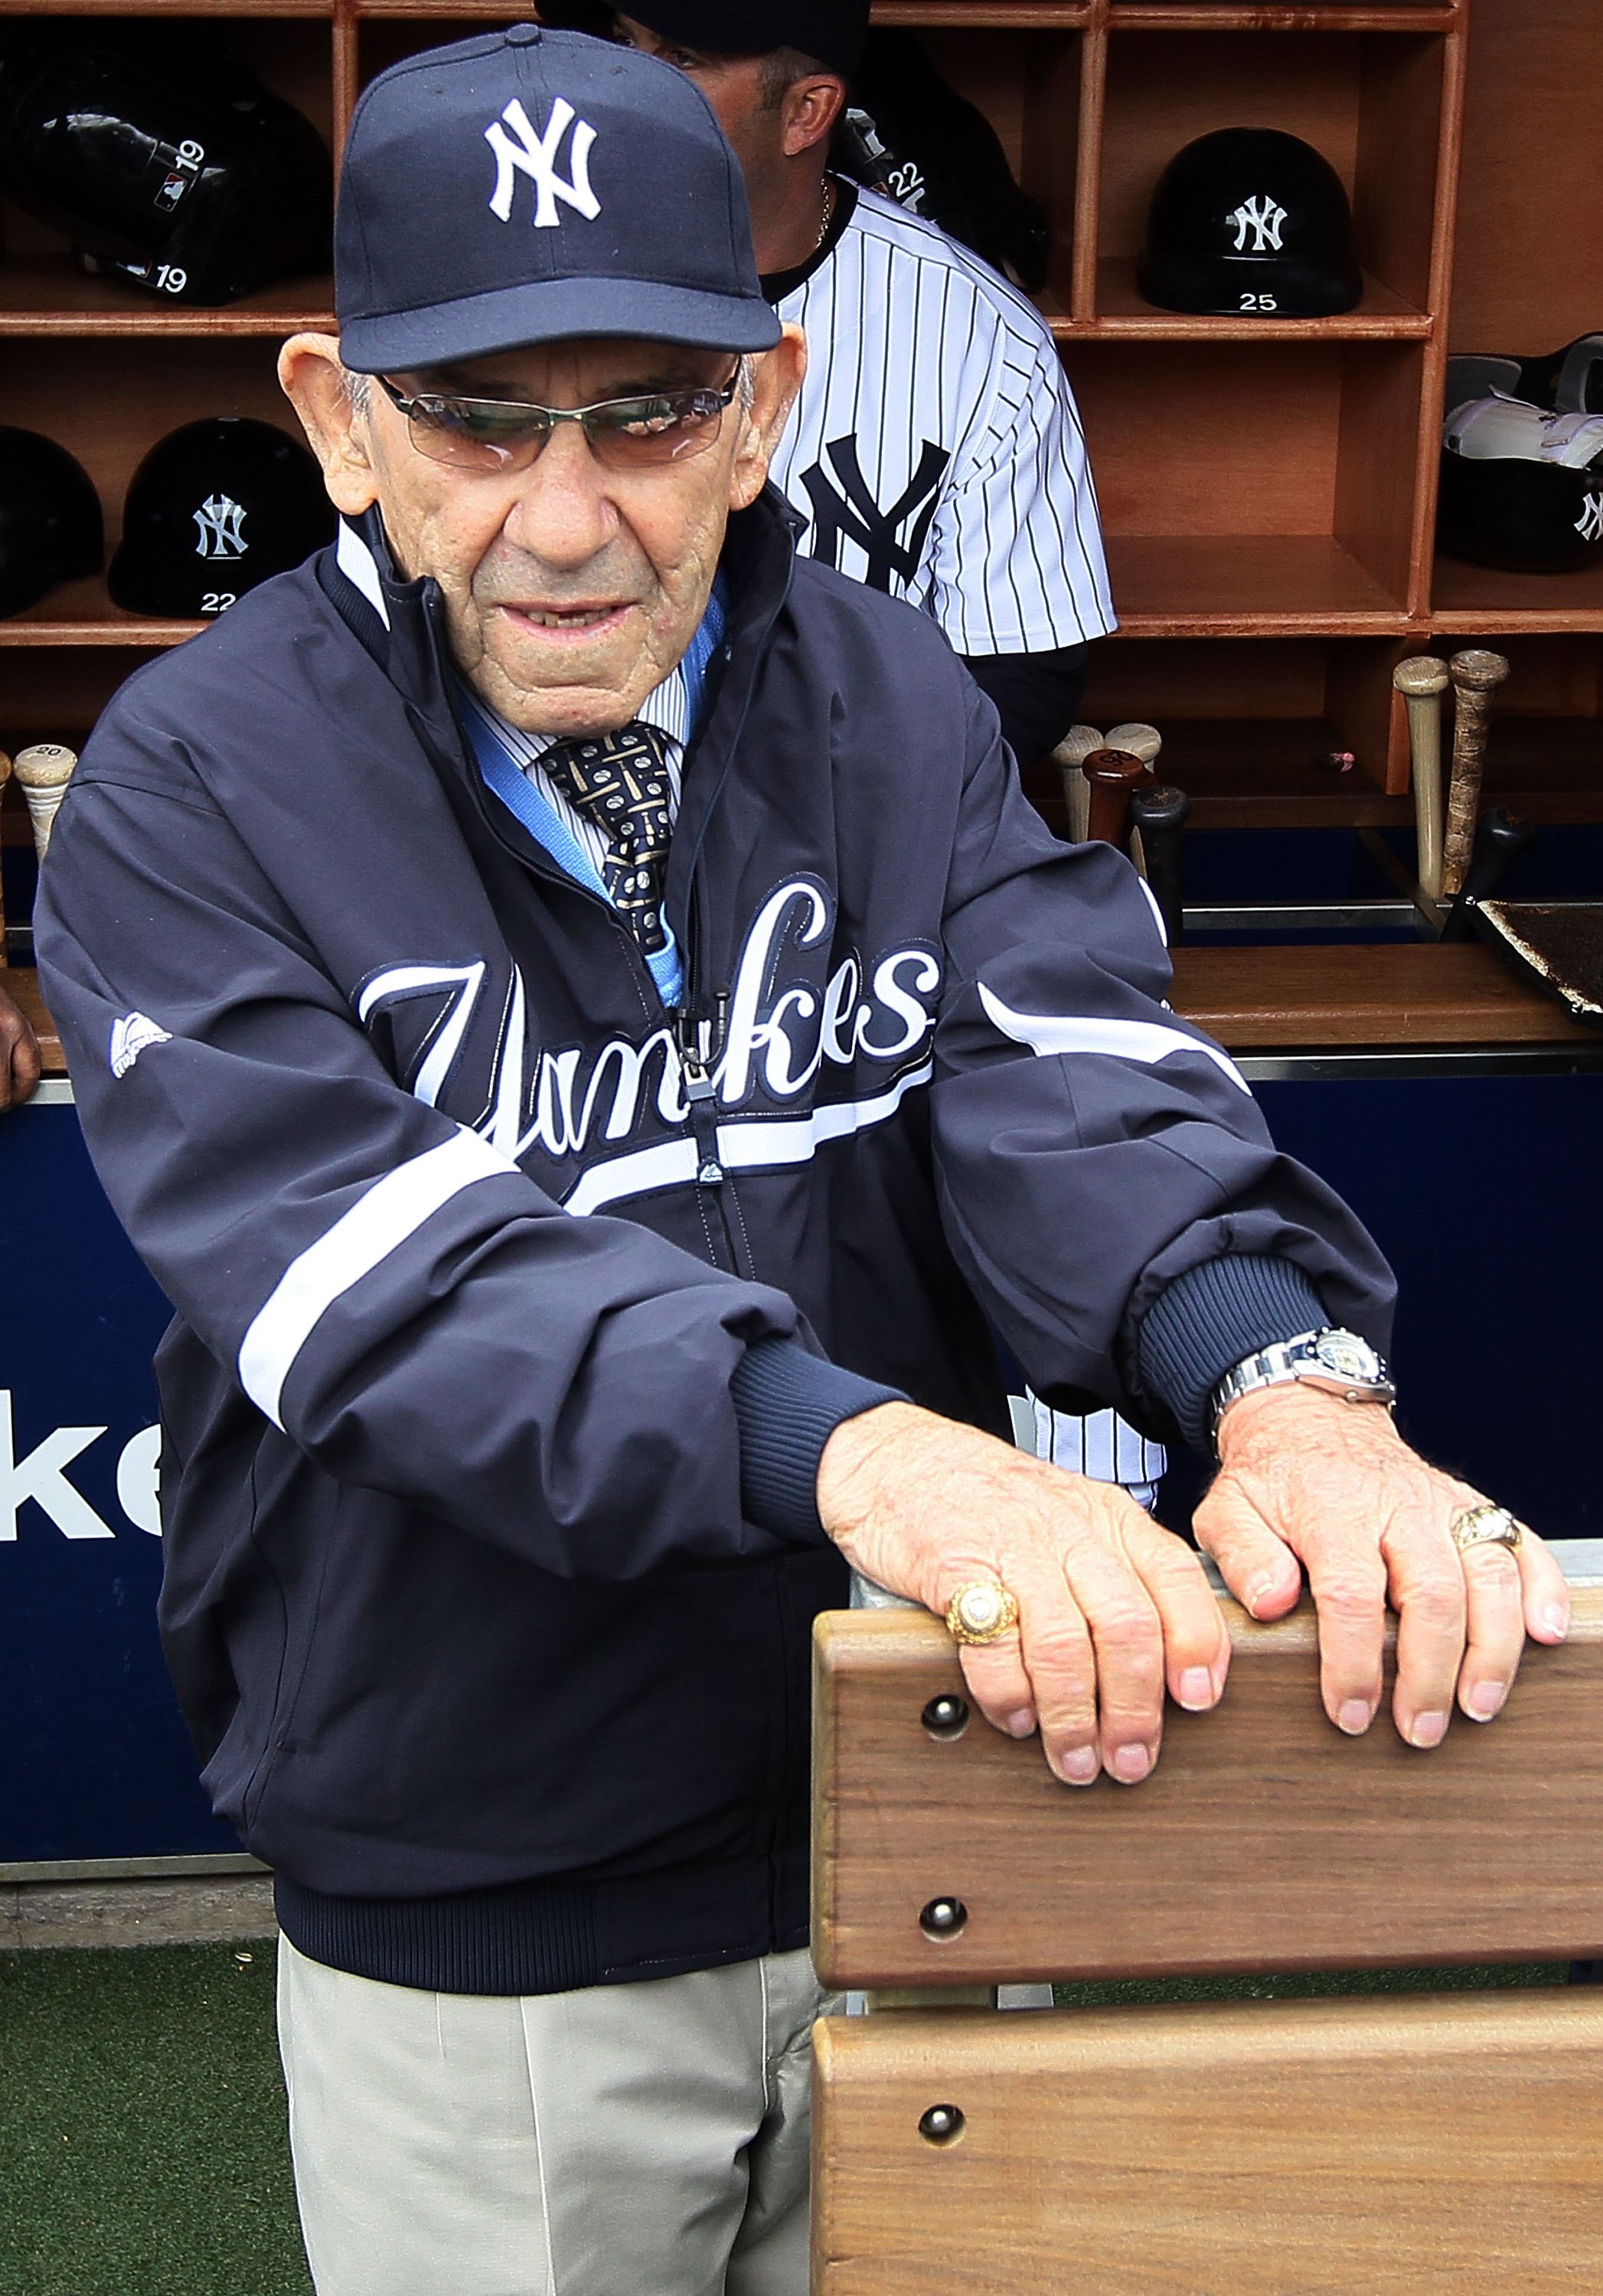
[472,435]
[666,429]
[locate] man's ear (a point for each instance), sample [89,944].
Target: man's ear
[811,106]
[318,388]
[776,379]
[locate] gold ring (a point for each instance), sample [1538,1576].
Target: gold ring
[1485,1526]
[982,1612]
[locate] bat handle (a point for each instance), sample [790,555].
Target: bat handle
[1161,815]
[1422,682]
[1477,675]
[1076,745]
[1114,776]
[1498,842]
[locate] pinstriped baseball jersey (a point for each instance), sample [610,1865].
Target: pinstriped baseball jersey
[935,450]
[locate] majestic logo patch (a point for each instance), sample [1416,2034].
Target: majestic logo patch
[220,528]
[1589,525]
[1264,218]
[536,156]
[891,539]
[132,1035]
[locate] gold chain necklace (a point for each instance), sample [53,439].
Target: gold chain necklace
[828,212]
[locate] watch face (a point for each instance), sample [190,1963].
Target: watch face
[1347,1357]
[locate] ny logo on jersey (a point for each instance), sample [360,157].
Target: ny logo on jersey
[848,512]
[219,524]
[1263,219]
[1589,525]
[536,156]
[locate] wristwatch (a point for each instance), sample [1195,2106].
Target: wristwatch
[1338,1361]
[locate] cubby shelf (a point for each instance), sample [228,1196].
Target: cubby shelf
[49,296]
[1258,651]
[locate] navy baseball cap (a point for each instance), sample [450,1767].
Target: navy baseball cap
[530,186]
[832,30]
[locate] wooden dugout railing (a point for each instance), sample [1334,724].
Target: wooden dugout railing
[1422,2144]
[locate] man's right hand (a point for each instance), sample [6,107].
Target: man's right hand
[1112,1607]
[19,1055]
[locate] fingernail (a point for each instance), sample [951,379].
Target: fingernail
[1428,1730]
[1080,1768]
[1020,1725]
[1259,1593]
[1555,1619]
[1355,1718]
[1487,1699]
[1197,1688]
[1131,1764]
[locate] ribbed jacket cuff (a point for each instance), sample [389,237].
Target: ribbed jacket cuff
[1209,1320]
[789,1403]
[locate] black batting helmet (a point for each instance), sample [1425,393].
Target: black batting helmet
[1252,221]
[50,524]
[214,509]
[1522,487]
[198,200]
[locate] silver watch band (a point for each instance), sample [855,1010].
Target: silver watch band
[1338,1361]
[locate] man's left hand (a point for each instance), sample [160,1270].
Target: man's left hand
[1306,1478]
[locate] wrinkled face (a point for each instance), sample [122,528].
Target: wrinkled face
[570,589]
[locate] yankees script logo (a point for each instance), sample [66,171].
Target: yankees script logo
[219,527]
[535,156]
[848,512]
[1263,217]
[777,1040]
[1589,525]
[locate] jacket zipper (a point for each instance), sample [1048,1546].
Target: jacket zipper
[698,1040]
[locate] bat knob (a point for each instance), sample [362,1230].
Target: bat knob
[1114,768]
[1422,675]
[1160,811]
[1477,671]
[1143,742]
[1078,742]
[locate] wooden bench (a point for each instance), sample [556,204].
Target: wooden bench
[1400,2142]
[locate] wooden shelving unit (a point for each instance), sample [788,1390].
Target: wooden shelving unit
[1267,486]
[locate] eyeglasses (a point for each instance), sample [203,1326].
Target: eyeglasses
[507,435]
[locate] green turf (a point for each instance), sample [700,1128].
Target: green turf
[142,2141]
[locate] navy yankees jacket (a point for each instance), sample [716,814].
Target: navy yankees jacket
[513,1311]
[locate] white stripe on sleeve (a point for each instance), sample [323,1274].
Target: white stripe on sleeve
[360,1241]
[1147,1041]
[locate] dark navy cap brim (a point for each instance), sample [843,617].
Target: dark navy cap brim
[555,311]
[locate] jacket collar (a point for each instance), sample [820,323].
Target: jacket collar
[397,621]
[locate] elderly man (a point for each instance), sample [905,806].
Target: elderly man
[573,1008]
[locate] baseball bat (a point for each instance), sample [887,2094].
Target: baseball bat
[1422,680]
[1114,776]
[1075,746]
[1143,742]
[1477,675]
[1498,842]
[1160,815]
[44,769]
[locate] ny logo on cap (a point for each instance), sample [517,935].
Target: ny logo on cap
[1589,525]
[218,524]
[535,156]
[1263,217]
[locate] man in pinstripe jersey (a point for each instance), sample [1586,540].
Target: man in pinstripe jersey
[935,450]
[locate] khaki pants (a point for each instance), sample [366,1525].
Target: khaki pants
[626,2140]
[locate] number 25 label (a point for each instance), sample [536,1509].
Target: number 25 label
[1259,303]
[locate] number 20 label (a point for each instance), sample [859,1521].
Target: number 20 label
[1259,303]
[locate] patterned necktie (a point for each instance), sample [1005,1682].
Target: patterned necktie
[620,781]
